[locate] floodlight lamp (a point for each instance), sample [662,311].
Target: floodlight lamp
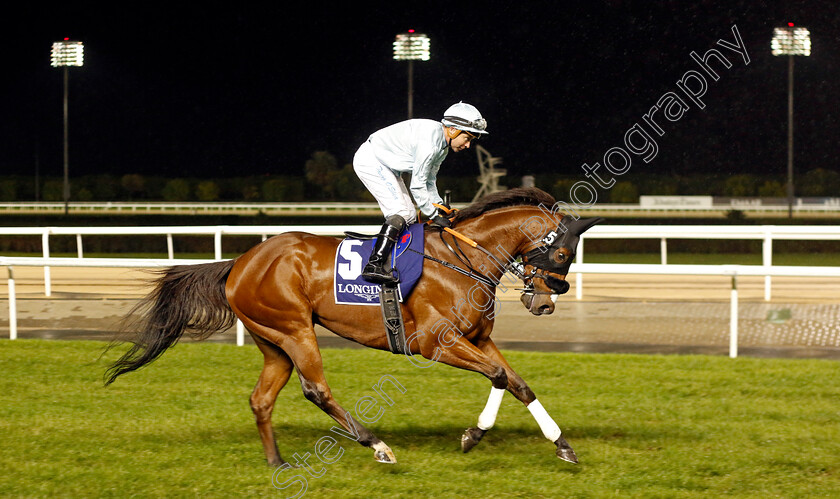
[67,53]
[791,41]
[411,46]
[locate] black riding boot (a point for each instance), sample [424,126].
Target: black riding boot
[375,270]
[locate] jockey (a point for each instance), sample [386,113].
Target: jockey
[417,146]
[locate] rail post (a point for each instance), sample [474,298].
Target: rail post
[170,247]
[579,275]
[45,248]
[663,250]
[12,305]
[240,333]
[217,242]
[767,259]
[733,318]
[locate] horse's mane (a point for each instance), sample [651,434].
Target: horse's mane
[513,197]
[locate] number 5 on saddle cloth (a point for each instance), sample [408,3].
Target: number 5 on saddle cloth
[351,288]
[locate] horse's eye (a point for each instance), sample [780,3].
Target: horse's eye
[559,256]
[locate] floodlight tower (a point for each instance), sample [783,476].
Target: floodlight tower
[64,54]
[790,41]
[411,47]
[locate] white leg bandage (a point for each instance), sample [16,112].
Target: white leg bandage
[487,418]
[547,425]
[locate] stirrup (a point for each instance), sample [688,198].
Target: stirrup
[378,275]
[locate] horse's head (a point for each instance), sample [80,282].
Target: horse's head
[528,224]
[546,262]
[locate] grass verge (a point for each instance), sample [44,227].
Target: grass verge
[642,426]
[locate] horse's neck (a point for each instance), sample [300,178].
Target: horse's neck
[506,230]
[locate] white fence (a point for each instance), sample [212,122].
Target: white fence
[830,207]
[215,231]
[12,262]
[765,233]
[734,271]
[203,208]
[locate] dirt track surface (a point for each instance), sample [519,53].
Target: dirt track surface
[662,314]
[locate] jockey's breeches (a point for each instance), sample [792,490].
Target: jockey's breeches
[385,185]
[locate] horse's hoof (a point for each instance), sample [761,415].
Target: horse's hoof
[383,454]
[471,438]
[565,452]
[384,457]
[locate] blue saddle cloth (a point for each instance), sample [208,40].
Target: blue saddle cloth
[352,254]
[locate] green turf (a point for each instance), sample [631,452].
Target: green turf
[642,426]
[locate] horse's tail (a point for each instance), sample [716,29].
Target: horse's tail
[185,298]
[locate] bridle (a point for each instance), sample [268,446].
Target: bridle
[539,255]
[531,257]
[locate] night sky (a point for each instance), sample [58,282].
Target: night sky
[243,90]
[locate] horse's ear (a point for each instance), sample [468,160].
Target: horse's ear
[578,227]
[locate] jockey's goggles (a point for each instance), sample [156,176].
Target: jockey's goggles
[479,125]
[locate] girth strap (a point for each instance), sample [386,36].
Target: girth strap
[392,315]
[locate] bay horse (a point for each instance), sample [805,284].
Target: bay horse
[281,288]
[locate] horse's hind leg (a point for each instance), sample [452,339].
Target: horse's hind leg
[302,349]
[311,372]
[277,368]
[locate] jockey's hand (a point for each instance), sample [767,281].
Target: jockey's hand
[444,213]
[442,208]
[440,221]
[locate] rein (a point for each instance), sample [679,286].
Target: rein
[517,268]
[471,273]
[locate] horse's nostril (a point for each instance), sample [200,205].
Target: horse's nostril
[545,309]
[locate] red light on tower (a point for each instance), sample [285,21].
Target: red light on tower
[790,24]
[411,31]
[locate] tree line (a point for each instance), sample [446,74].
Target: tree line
[323,180]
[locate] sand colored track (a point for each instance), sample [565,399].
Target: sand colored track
[628,313]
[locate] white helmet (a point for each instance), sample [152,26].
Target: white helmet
[465,117]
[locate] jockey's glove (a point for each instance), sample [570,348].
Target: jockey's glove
[442,212]
[440,221]
[445,211]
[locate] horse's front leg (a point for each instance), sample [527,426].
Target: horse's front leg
[516,386]
[453,349]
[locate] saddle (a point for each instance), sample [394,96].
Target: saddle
[352,289]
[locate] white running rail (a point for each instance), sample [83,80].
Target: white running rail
[765,233]
[734,271]
[828,207]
